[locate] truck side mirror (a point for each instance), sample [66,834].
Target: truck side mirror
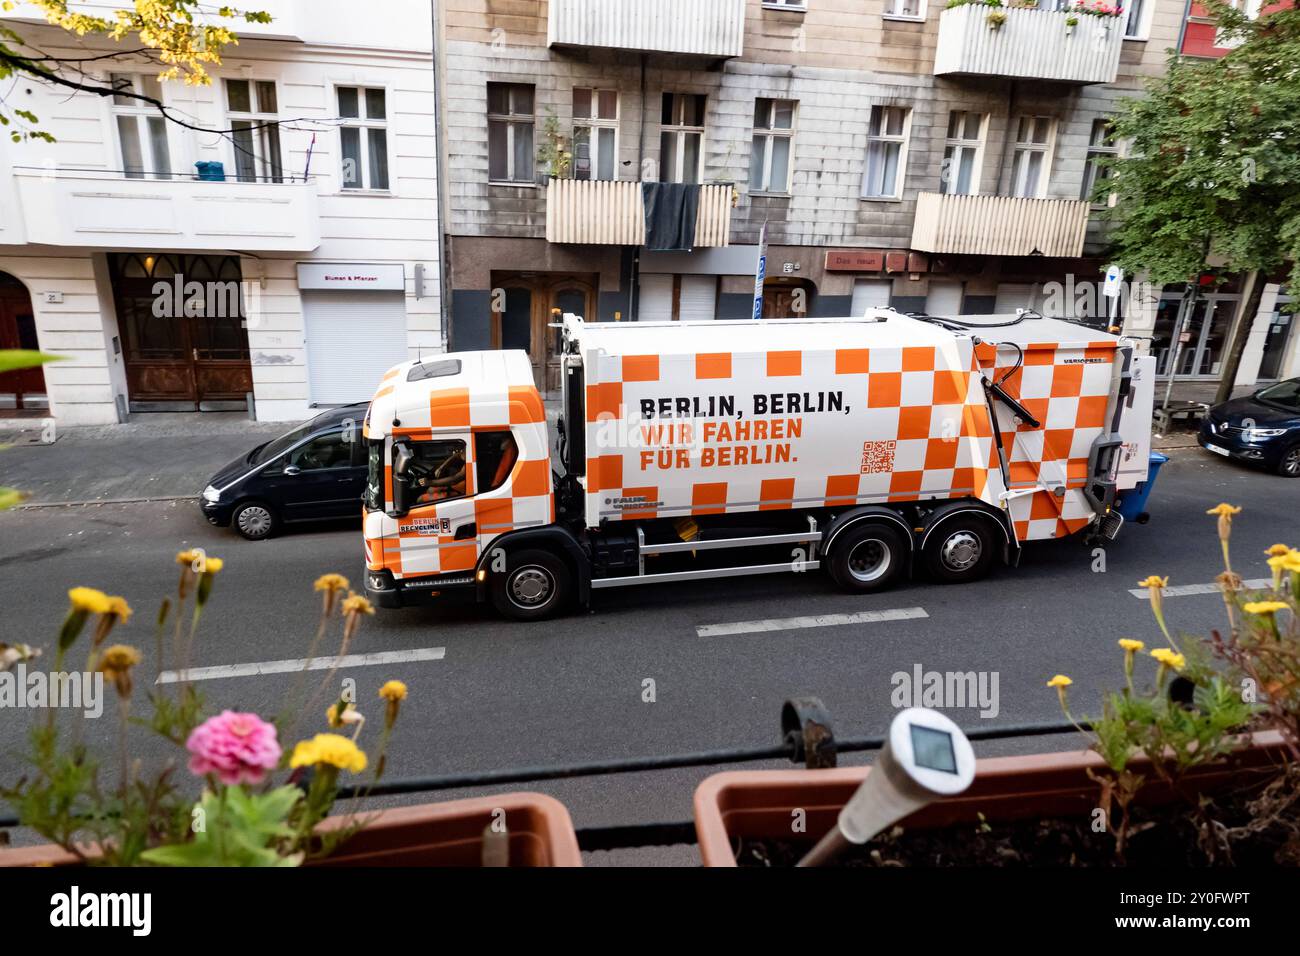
[402,458]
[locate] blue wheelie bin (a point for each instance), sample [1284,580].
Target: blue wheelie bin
[1133,503]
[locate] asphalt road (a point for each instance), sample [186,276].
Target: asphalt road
[506,694]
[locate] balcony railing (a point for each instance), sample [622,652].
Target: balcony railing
[1030,44]
[103,210]
[600,212]
[713,28]
[999,225]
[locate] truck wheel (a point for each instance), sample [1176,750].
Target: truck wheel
[254,520]
[960,549]
[869,558]
[535,585]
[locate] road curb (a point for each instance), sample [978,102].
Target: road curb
[103,501]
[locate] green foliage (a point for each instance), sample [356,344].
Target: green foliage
[1211,164]
[237,829]
[554,152]
[12,360]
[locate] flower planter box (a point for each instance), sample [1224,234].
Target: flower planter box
[430,834]
[758,804]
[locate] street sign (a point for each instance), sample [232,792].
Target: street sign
[1114,279]
[760,273]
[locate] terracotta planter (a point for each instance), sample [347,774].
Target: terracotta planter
[757,804]
[430,834]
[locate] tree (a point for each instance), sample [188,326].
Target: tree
[1213,167]
[181,38]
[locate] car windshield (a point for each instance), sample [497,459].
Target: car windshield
[1286,394]
[277,447]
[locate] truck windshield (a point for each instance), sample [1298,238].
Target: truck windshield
[374,493]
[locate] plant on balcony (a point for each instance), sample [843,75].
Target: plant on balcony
[996,19]
[1097,8]
[1070,23]
[554,154]
[113,812]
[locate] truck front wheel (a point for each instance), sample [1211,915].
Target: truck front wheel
[535,585]
[960,549]
[869,558]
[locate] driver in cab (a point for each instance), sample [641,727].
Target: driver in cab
[440,481]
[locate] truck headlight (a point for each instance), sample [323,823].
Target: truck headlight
[1261,434]
[211,495]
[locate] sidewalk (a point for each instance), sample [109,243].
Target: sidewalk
[151,457]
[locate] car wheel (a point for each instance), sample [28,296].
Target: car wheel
[254,520]
[960,549]
[535,585]
[868,558]
[1290,463]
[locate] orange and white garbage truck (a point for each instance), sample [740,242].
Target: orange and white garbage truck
[870,448]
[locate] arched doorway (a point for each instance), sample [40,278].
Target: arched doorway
[24,389]
[523,318]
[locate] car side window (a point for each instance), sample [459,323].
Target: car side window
[323,451]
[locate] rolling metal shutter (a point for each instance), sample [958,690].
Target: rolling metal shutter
[869,294]
[656,301]
[698,300]
[353,338]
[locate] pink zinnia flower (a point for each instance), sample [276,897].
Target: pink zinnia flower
[238,748]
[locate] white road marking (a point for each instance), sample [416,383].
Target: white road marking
[302,664]
[817,620]
[1182,590]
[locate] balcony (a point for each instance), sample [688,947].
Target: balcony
[92,209]
[597,212]
[1031,44]
[999,225]
[711,28]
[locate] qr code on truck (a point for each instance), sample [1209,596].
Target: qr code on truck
[878,456]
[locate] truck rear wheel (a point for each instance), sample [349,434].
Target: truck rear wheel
[960,549]
[869,558]
[535,585]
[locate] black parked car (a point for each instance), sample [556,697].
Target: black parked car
[1263,428]
[316,471]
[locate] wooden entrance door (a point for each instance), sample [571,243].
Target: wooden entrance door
[786,298]
[24,388]
[532,303]
[182,324]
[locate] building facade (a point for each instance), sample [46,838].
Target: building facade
[889,152]
[283,253]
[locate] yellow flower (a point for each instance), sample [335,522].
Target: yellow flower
[89,600]
[1265,607]
[1060,680]
[118,658]
[1130,645]
[331,582]
[1286,562]
[118,607]
[394,690]
[1224,510]
[1169,658]
[329,749]
[1278,550]
[212,565]
[187,558]
[1152,581]
[356,604]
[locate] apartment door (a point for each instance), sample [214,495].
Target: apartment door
[24,388]
[787,299]
[183,336]
[533,302]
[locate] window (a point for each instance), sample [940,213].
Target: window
[1031,160]
[963,154]
[331,450]
[787,4]
[141,131]
[510,132]
[1251,9]
[495,454]
[435,472]
[905,9]
[769,162]
[1101,142]
[886,149]
[363,134]
[1135,24]
[595,133]
[681,139]
[255,130]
